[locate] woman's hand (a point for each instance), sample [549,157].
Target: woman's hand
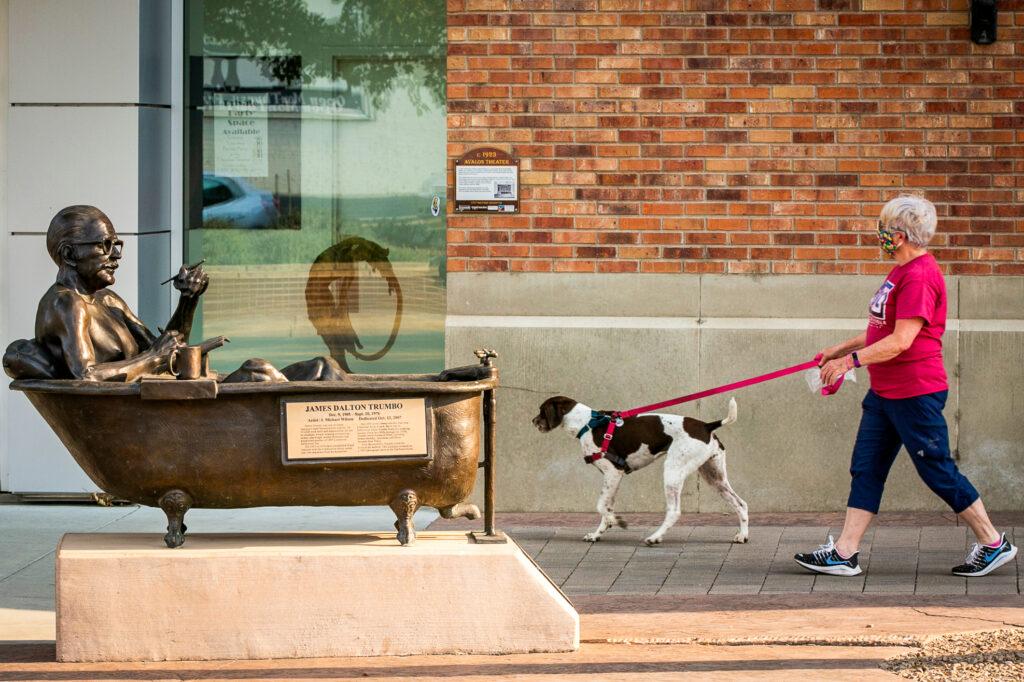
[191,283]
[833,369]
[830,353]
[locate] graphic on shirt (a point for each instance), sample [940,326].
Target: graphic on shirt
[878,301]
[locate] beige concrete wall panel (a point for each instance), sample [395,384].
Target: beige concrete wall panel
[992,298]
[85,51]
[73,155]
[798,296]
[482,293]
[992,416]
[606,369]
[790,448]
[707,296]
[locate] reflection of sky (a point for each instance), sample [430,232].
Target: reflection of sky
[328,9]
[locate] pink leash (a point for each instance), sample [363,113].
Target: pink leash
[617,417]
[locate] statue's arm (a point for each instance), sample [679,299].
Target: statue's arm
[191,284]
[181,320]
[68,320]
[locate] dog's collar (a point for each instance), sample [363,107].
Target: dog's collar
[596,419]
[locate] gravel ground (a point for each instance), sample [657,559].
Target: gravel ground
[995,656]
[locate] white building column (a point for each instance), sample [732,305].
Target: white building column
[89,122]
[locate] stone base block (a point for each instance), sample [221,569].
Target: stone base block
[126,597]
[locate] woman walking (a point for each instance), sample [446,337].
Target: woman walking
[902,349]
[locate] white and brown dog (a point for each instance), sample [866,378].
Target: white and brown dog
[687,444]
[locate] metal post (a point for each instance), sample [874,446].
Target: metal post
[490,534]
[489,421]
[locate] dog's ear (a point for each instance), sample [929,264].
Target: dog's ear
[550,413]
[555,410]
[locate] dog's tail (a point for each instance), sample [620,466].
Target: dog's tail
[729,418]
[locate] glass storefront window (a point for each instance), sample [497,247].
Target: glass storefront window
[315,183]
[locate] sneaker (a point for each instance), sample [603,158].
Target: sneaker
[983,560]
[826,560]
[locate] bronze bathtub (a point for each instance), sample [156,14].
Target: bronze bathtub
[227,450]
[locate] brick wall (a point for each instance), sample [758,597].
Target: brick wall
[752,136]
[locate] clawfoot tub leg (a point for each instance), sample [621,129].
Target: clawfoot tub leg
[405,505]
[175,504]
[462,509]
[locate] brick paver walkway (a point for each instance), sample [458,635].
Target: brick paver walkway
[702,560]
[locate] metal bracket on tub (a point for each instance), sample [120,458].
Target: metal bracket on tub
[482,538]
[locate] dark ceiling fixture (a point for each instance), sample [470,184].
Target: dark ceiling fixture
[983,21]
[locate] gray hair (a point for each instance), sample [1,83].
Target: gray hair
[913,216]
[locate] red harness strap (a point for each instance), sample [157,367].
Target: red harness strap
[617,417]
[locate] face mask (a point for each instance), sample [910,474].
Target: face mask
[885,239]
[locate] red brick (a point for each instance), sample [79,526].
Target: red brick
[639,123]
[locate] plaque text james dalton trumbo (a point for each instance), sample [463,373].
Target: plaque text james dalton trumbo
[344,429]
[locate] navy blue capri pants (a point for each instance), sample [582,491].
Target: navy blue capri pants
[917,423]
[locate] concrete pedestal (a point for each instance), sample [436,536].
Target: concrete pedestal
[126,597]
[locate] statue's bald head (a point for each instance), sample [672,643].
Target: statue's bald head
[69,226]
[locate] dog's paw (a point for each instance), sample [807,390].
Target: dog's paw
[740,538]
[653,540]
[621,522]
[591,537]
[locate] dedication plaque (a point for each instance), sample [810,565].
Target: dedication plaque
[486,181]
[328,430]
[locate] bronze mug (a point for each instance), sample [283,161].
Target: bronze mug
[186,363]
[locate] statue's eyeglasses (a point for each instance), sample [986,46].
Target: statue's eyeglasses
[108,245]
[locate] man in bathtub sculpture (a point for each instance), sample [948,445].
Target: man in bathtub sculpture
[86,331]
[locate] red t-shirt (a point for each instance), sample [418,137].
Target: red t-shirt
[915,289]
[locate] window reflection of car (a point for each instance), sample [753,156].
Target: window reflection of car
[233,202]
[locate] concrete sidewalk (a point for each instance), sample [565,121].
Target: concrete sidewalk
[697,605]
[701,559]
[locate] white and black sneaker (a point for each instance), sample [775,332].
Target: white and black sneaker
[983,560]
[826,560]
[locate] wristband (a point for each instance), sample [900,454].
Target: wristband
[856,360]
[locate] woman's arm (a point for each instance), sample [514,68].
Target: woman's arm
[841,349]
[881,351]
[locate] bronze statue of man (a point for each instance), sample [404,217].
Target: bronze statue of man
[86,331]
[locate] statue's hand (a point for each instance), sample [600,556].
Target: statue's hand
[191,283]
[167,343]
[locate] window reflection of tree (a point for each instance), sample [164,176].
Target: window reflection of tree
[403,42]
